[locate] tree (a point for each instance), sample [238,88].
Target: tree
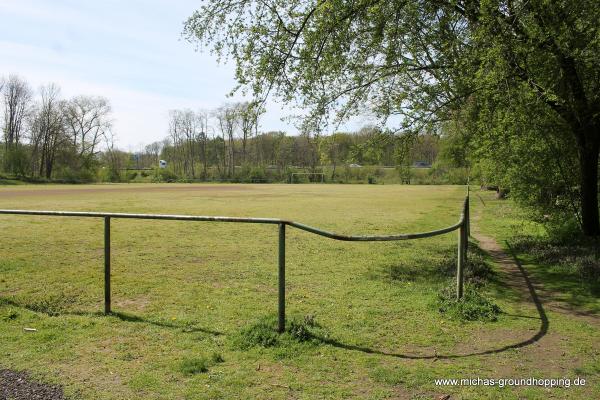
[87,120]
[423,60]
[202,138]
[227,117]
[114,158]
[17,99]
[248,114]
[335,149]
[154,150]
[48,131]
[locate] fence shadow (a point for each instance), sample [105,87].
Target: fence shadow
[126,317]
[542,331]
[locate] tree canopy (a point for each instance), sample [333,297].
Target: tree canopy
[502,67]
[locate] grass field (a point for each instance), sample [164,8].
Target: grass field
[184,293]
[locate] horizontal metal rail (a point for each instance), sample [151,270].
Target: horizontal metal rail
[462,225]
[307,228]
[172,217]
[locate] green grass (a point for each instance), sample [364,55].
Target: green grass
[194,302]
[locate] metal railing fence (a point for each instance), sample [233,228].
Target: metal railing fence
[463,227]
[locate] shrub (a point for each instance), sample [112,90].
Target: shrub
[164,175]
[76,175]
[131,175]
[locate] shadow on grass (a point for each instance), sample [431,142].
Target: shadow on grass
[125,317]
[435,265]
[184,327]
[569,268]
[542,331]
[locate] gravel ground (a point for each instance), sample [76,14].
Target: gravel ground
[19,386]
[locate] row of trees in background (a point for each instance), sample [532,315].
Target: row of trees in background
[225,144]
[46,136]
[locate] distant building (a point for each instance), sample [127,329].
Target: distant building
[162,164]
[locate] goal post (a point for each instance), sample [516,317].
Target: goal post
[316,177]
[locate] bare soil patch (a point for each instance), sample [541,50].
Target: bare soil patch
[120,189]
[19,386]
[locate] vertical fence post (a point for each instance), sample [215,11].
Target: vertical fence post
[468,216]
[460,260]
[107,265]
[467,230]
[281,309]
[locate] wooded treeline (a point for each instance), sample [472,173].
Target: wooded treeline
[225,143]
[49,137]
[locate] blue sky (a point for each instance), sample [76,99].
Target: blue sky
[128,51]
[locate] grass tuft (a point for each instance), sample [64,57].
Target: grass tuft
[52,304]
[472,307]
[216,358]
[9,315]
[192,366]
[263,333]
[198,365]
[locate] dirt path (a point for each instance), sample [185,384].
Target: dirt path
[512,275]
[516,278]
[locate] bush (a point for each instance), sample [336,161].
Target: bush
[109,174]
[164,175]
[131,175]
[71,175]
[253,174]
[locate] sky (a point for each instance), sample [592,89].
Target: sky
[130,52]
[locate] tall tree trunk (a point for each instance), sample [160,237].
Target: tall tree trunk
[588,161]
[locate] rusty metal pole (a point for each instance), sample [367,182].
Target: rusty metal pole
[281,309]
[468,216]
[460,261]
[106,265]
[467,229]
